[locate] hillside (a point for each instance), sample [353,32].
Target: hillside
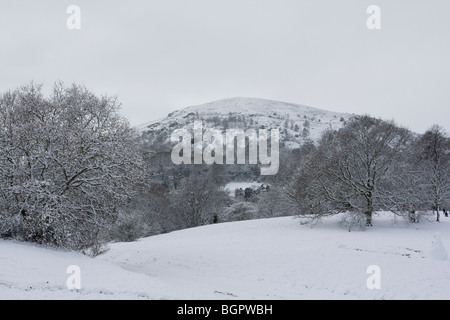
[297,123]
[261,259]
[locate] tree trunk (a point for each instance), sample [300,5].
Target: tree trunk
[368,218]
[369,211]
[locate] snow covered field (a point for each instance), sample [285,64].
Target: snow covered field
[260,259]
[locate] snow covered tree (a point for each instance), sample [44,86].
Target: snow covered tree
[239,211]
[302,184]
[198,200]
[67,164]
[348,170]
[433,166]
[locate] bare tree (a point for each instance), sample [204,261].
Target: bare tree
[433,166]
[198,200]
[348,170]
[239,211]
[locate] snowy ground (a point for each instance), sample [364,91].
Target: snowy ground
[262,259]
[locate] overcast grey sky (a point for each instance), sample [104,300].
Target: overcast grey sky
[162,55]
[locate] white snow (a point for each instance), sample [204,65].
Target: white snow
[437,250]
[32,272]
[261,259]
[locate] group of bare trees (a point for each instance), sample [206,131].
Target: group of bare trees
[67,164]
[372,165]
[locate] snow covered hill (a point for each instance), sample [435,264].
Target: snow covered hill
[297,123]
[261,259]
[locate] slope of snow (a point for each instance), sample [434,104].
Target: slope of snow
[262,259]
[32,272]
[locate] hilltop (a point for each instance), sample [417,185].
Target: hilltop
[297,123]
